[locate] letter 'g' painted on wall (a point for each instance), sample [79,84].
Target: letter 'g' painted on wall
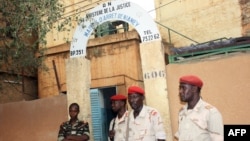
[113,10]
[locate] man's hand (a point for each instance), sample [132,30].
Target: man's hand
[111,134]
[77,138]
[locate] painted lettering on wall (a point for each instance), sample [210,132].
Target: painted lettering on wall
[154,74]
[149,36]
[107,8]
[111,11]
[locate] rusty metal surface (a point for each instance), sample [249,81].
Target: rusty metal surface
[211,45]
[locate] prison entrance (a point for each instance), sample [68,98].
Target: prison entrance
[101,111]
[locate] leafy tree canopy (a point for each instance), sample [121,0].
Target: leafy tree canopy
[23,28]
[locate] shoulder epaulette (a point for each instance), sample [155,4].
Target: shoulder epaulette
[209,107]
[182,108]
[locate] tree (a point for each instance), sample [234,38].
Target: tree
[23,28]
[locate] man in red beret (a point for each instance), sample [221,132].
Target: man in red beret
[198,120]
[117,127]
[145,123]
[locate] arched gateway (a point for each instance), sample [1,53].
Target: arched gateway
[151,57]
[113,10]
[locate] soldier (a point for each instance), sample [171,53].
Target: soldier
[74,129]
[145,122]
[118,125]
[198,120]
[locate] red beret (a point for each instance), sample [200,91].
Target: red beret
[118,97]
[191,79]
[135,89]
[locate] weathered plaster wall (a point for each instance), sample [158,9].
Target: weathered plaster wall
[109,57]
[79,80]
[71,7]
[36,120]
[245,8]
[226,86]
[13,90]
[52,80]
[155,84]
[201,21]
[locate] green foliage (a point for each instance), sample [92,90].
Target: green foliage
[23,28]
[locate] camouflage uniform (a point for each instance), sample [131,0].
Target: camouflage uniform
[120,127]
[202,123]
[78,129]
[147,126]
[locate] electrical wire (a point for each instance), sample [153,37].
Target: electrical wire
[97,4]
[161,6]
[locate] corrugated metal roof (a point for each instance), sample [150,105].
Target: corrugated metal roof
[211,45]
[214,47]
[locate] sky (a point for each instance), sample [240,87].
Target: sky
[148,5]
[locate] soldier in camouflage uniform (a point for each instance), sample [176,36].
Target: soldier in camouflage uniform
[198,120]
[74,129]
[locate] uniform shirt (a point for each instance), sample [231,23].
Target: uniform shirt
[120,127]
[202,123]
[78,129]
[147,126]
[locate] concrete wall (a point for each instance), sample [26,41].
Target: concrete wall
[71,7]
[201,21]
[109,57]
[37,120]
[79,80]
[52,80]
[13,90]
[155,84]
[245,8]
[226,86]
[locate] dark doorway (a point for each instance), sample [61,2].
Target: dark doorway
[101,111]
[107,93]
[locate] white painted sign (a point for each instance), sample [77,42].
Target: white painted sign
[122,10]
